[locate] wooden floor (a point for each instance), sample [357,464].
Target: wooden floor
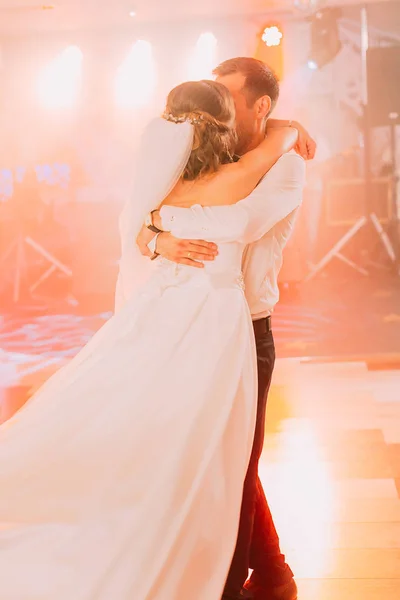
[331,471]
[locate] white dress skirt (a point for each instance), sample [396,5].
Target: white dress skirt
[122,478]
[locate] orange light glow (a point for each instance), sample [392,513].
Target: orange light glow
[270,48]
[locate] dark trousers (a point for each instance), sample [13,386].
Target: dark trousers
[257,545]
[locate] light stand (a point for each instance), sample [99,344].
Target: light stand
[370,217]
[395,224]
[17,249]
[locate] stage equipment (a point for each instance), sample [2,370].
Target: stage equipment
[25,205]
[325,38]
[389,243]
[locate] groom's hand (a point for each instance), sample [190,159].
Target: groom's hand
[186,252]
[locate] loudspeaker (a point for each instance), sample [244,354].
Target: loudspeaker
[383,72]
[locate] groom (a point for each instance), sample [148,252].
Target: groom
[273,204]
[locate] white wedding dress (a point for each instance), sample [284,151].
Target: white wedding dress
[121,479]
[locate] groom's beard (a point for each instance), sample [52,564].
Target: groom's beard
[244,141]
[248,136]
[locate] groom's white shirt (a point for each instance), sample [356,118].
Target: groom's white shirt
[273,207]
[270,213]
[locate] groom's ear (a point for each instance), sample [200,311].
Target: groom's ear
[263,107]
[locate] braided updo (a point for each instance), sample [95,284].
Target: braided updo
[209,106]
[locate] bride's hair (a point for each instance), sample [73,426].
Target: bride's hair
[209,106]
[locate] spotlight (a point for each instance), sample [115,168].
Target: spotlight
[204,57]
[272,36]
[59,83]
[132,13]
[136,77]
[325,38]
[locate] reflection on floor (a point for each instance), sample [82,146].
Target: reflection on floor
[339,317]
[347,316]
[331,470]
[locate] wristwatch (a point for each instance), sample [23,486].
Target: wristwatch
[152,245]
[149,223]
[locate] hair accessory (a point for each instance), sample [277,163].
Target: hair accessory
[194,120]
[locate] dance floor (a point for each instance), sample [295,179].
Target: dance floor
[331,470]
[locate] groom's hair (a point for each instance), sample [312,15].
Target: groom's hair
[260,80]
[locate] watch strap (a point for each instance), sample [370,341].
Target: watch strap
[149,223]
[153,228]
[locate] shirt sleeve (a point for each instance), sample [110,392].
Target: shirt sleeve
[277,195]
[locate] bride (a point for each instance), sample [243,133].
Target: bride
[121,479]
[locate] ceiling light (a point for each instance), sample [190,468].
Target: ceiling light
[272,36]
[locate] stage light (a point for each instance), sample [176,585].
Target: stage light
[312,65]
[270,47]
[325,37]
[59,83]
[136,77]
[132,13]
[272,36]
[204,57]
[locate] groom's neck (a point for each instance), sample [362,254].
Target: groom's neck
[258,135]
[254,142]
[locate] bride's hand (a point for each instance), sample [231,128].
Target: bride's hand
[306,146]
